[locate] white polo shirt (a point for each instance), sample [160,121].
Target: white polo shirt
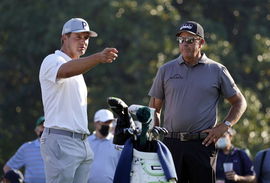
[64,100]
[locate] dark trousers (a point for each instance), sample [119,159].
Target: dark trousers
[194,162]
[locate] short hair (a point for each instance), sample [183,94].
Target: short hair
[68,34]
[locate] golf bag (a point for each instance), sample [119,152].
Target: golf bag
[144,158]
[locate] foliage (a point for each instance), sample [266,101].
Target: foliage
[144,33]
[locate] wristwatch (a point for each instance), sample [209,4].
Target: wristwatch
[227,123]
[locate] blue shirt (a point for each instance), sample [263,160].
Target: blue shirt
[242,164]
[105,160]
[29,157]
[265,174]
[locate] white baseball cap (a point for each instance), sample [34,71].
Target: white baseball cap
[77,25]
[103,115]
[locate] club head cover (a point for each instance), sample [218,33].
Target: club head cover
[124,120]
[143,115]
[117,105]
[121,135]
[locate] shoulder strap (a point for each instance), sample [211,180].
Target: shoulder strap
[261,166]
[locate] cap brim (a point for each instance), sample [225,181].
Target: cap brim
[92,33]
[178,34]
[105,120]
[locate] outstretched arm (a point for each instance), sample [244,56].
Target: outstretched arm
[84,64]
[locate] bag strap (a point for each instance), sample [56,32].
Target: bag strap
[261,166]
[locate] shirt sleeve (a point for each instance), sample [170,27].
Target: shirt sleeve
[228,86]
[157,89]
[248,165]
[50,67]
[18,160]
[257,162]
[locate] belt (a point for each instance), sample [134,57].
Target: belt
[186,136]
[67,133]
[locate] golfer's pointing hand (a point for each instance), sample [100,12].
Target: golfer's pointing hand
[108,55]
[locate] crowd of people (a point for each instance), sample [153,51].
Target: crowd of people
[187,90]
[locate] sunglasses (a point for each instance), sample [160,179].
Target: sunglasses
[188,40]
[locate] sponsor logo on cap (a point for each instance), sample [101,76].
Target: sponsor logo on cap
[186,26]
[84,25]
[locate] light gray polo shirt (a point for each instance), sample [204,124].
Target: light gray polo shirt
[191,94]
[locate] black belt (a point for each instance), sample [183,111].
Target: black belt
[67,133]
[186,136]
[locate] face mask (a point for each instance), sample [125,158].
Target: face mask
[104,130]
[222,143]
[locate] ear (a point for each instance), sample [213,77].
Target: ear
[202,41]
[96,124]
[64,37]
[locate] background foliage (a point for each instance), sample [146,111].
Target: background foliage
[237,35]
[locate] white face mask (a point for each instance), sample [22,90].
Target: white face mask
[222,143]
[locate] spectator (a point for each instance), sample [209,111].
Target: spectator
[105,155]
[13,176]
[29,157]
[188,89]
[262,166]
[238,160]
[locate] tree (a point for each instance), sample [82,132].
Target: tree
[144,33]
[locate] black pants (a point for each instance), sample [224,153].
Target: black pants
[194,162]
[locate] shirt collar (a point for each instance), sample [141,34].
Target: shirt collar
[203,59]
[233,150]
[62,54]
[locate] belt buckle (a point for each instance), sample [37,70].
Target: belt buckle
[183,136]
[84,136]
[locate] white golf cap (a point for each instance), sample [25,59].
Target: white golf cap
[103,115]
[77,25]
